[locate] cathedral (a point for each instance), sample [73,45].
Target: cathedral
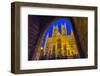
[60,45]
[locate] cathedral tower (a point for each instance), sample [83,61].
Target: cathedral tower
[63,29]
[55,30]
[60,45]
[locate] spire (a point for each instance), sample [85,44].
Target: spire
[63,29]
[55,30]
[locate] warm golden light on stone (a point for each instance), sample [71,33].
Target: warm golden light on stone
[60,44]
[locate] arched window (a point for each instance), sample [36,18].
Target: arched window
[65,47]
[59,44]
[53,47]
[53,51]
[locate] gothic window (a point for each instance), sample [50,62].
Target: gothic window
[59,44]
[53,47]
[53,51]
[65,47]
[68,52]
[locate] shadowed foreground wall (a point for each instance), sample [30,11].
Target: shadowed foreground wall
[81,25]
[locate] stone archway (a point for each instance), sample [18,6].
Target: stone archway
[37,53]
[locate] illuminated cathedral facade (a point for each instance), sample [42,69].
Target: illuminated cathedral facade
[60,45]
